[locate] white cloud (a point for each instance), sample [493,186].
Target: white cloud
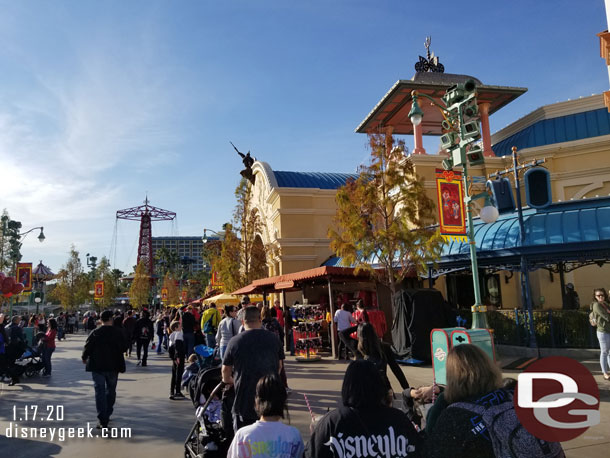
[70,137]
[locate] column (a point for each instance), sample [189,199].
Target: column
[418,147]
[484,112]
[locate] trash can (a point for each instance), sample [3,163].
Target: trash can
[441,343]
[482,338]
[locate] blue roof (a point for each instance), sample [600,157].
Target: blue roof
[557,130]
[562,231]
[312,179]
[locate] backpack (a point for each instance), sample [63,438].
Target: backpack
[508,437]
[208,327]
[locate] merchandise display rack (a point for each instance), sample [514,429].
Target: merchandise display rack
[307,338]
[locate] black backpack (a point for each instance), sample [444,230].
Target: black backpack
[508,437]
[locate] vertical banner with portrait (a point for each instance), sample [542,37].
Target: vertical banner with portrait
[24,275]
[451,211]
[164,294]
[216,280]
[99,289]
[184,295]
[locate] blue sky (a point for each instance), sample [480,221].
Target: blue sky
[103,102]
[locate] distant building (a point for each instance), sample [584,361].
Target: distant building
[189,246]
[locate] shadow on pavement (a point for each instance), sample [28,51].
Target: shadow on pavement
[24,448]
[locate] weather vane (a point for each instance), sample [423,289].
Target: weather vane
[429,63]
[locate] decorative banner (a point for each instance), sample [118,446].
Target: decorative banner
[24,275]
[184,295]
[99,289]
[451,211]
[216,280]
[163,294]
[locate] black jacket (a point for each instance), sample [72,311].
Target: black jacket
[104,350]
[188,322]
[144,327]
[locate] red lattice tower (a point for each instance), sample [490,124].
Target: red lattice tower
[146,214]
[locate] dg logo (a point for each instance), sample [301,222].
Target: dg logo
[557,399]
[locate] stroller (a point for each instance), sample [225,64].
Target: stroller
[30,362]
[208,437]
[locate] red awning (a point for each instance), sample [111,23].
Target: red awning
[288,281]
[245,290]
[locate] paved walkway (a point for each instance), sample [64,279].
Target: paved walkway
[160,426]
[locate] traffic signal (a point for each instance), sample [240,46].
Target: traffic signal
[471,130]
[470,109]
[448,140]
[475,155]
[458,92]
[448,163]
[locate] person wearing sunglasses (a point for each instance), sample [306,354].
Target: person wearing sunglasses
[601,316]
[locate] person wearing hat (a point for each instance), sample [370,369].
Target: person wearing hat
[571,300]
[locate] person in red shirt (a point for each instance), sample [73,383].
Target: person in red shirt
[276,311]
[49,346]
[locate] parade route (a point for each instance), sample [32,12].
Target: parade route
[157,426]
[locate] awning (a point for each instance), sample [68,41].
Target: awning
[249,289]
[563,232]
[292,280]
[224,299]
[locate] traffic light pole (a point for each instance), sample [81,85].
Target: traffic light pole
[460,101]
[479,317]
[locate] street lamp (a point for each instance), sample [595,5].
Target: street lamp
[205,236]
[38,300]
[40,237]
[461,127]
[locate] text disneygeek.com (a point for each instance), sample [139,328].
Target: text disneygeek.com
[45,418]
[61,433]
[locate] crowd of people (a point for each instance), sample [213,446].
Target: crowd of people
[252,341]
[37,332]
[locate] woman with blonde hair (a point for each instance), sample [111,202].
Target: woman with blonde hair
[475,417]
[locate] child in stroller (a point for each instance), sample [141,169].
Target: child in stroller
[207,437]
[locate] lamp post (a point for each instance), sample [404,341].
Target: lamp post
[461,131]
[205,236]
[526,293]
[38,300]
[41,239]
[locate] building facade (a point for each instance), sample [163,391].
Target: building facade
[296,210]
[187,247]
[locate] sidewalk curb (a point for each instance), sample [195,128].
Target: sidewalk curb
[576,353]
